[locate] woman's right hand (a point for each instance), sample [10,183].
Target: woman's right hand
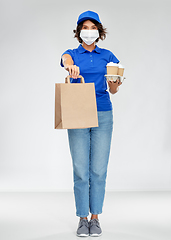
[73,70]
[68,63]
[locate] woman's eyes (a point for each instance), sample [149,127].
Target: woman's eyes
[87,27]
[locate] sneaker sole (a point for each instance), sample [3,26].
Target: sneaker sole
[95,235]
[82,235]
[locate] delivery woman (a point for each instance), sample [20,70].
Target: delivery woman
[90,147]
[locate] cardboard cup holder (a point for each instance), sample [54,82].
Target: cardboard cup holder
[114,78]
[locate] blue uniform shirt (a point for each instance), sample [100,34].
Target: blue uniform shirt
[93,68]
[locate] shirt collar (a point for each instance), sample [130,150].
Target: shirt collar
[82,50]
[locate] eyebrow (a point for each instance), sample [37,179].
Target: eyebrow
[87,25]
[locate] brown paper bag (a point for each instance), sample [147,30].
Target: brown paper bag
[75,105]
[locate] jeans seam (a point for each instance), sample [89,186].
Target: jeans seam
[89,169]
[95,213]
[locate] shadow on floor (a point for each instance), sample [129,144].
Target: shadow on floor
[105,236]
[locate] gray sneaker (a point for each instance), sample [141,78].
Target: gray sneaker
[83,228]
[95,229]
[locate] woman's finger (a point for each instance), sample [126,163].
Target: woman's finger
[69,69]
[78,69]
[117,81]
[74,71]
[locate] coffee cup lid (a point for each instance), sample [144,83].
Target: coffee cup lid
[120,65]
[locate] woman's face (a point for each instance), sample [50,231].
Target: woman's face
[88,25]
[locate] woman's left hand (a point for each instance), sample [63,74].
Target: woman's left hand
[114,86]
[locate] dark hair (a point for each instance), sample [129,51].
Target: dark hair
[101,29]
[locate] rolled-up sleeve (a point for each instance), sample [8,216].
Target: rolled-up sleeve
[113,58]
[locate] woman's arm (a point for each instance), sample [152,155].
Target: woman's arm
[68,63]
[114,86]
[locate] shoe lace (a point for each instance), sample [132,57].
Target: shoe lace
[83,222]
[94,221]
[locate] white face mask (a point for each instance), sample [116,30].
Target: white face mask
[89,36]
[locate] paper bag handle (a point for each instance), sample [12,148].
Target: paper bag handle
[67,79]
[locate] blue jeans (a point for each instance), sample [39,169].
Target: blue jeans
[90,149]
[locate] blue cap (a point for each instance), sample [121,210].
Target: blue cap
[88,15]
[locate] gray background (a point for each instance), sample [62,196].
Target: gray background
[33,155]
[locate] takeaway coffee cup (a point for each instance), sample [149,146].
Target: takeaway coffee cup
[120,70]
[112,68]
